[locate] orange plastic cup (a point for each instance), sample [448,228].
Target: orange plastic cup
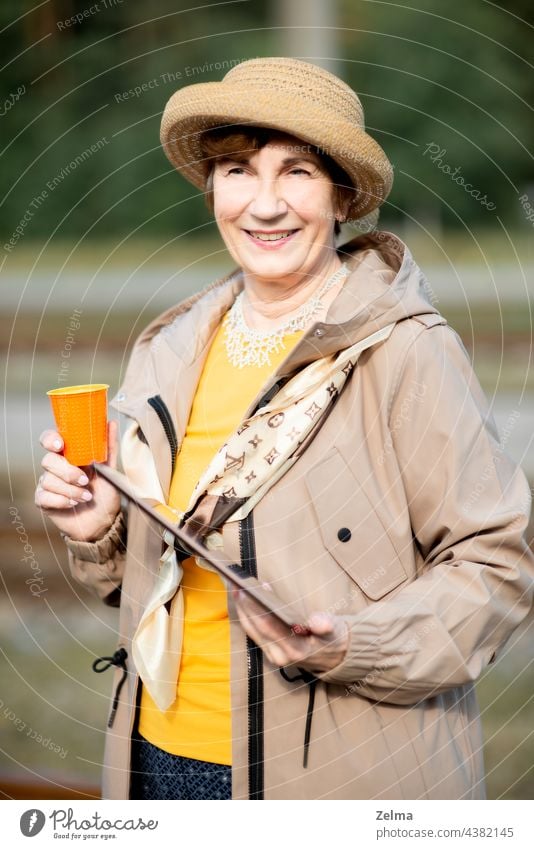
[81,419]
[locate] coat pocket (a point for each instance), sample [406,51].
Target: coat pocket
[351,528]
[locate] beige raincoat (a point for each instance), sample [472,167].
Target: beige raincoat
[404,516]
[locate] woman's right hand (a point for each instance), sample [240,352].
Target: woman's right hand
[78,501]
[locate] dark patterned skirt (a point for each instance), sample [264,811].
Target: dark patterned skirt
[156,774]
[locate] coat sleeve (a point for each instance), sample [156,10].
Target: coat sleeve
[99,565]
[469,506]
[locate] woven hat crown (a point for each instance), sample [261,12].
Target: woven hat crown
[307,81]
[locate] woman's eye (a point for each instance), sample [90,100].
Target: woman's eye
[236,170]
[299,171]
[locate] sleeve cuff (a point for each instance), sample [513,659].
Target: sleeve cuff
[361,659]
[103,549]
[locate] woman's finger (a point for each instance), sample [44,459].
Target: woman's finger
[57,465]
[250,626]
[52,501]
[320,623]
[262,620]
[279,647]
[52,483]
[51,440]
[267,646]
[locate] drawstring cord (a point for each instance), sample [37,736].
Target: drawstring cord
[312,682]
[118,659]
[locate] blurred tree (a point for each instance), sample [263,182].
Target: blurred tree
[458,77]
[103,78]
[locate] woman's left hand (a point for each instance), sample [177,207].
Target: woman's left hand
[321,650]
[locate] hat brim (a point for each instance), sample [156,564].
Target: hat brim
[196,108]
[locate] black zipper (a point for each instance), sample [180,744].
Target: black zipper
[158,404]
[247,549]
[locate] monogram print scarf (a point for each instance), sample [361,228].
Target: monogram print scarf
[267,444]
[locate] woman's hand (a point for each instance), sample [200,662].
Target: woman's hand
[79,502]
[321,650]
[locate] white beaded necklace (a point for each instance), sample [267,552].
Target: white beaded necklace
[246,346]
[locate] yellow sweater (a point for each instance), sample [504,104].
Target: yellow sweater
[198,724]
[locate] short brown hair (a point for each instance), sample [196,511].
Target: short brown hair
[239,140]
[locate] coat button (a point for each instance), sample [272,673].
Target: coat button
[344,534]
[319,332]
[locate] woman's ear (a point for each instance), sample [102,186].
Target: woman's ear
[343,211]
[345,198]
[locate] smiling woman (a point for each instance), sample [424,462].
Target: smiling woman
[273,414]
[238,144]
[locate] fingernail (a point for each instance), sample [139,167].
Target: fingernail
[86,496]
[83,479]
[58,443]
[72,503]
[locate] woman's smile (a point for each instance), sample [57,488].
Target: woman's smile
[269,240]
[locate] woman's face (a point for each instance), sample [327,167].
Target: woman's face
[275,209]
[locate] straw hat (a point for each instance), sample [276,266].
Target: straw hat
[289,95]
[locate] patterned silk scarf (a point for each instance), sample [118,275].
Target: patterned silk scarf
[255,456]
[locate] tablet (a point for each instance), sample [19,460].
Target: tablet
[233,573]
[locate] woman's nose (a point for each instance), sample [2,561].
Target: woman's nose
[268,201]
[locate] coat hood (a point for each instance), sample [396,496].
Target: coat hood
[386,285]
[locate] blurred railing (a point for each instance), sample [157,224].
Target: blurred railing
[53,786]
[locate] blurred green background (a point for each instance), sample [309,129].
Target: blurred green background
[95,223]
